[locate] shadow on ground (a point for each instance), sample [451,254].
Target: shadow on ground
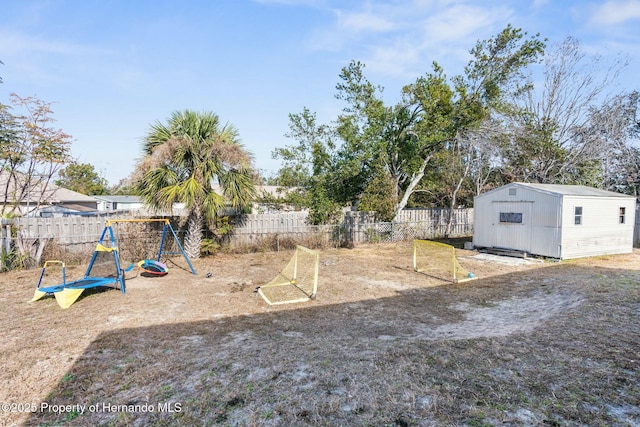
[521,349]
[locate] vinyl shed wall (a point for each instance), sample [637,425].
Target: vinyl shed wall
[547,226]
[540,230]
[601,231]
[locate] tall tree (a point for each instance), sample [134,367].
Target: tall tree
[399,141]
[552,138]
[184,159]
[308,165]
[32,151]
[83,178]
[617,123]
[433,114]
[498,69]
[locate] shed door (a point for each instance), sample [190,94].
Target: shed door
[511,224]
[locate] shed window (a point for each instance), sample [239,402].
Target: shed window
[578,215]
[513,192]
[512,217]
[622,215]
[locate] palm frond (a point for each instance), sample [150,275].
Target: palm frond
[186,155]
[192,192]
[212,204]
[239,187]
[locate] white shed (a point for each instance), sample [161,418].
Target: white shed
[558,221]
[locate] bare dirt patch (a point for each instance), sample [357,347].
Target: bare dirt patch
[528,343]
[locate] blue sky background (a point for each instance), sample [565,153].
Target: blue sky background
[114,67]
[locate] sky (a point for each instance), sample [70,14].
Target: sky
[112,68]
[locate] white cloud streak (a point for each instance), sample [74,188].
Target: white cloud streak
[616,12]
[18,43]
[403,38]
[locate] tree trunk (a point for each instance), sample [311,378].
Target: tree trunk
[454,199]
[415,179]
[193,240]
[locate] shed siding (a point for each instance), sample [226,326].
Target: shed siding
[539,232]
[600,232]
[548,224]
[546,233]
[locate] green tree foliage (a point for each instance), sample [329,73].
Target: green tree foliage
[375,197]
[400,141]
[307,167]
[83,178]
[183,159]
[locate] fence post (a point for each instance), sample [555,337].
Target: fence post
[422,223]
[5,243]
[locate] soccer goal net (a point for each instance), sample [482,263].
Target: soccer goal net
[297,282]
[438,260]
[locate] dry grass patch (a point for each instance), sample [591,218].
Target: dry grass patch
[530,344]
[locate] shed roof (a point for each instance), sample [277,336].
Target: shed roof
[567,190]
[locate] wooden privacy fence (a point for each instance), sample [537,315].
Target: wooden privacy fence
[412,224]
[356,227]
[282,229]
[71,230]
[81,233]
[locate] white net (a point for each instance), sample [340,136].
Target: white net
[438,260]
[297,282]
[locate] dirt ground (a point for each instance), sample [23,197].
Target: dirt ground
[528,343]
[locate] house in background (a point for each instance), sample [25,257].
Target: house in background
[275,194]
[118,203]
[41,199]
[557,221]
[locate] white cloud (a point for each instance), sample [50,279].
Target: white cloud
[367,21]
[18,43]
[539,3]
[404,38]
[462,23]
[616,12]
[313,3]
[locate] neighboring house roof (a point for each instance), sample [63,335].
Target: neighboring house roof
[566,190]
[42,193]
[262,190]
[119,199]
[63,195]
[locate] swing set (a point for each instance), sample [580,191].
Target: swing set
[104,268]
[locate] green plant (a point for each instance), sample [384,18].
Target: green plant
[13,260]
[209,246]
[68,378]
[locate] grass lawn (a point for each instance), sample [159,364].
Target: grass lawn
[527,344]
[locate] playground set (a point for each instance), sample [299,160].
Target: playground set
[297,282]
[105,269]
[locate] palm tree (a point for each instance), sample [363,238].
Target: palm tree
[184,159]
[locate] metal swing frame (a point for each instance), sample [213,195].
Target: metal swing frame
[166,229]
[67,293]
